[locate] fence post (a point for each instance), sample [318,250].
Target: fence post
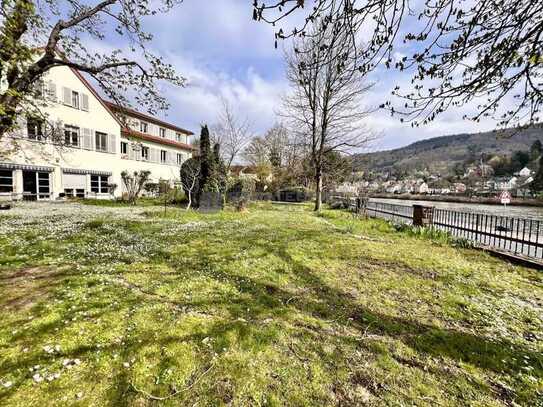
[422,215]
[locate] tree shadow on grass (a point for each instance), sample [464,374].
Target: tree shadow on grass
[241,316]
[330,303]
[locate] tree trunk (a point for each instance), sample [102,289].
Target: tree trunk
[318,189]
[190,201]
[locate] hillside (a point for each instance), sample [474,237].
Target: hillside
[440,154]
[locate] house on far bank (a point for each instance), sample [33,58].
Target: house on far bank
[81,144]
[459,188]
[423,188]
[248,172]
[525,172]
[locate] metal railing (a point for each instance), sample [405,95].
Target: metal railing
[392,212]
[519,236]
[515,235]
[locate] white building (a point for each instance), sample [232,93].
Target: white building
[83,145]
[423,188]
[525,172]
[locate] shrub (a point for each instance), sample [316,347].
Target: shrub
[134,183]
[434,234]
[240,188]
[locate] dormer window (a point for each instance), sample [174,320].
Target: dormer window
[143,127]
[162,132]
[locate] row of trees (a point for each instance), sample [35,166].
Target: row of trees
[323,115]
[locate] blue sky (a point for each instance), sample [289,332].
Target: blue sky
[222,52]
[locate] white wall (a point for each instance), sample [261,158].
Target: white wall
[97,118]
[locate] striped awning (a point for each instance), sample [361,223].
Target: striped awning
[81,171]
[14,166]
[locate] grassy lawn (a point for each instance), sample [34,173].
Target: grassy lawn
[276,306]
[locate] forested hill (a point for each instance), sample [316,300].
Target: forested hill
[440,154]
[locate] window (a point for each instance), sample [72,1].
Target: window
[101,141]
[99,184]
[145,153]
[163,155]
[39,89]
[34,127]
[124,147]
[179,158]
[143,127]
[162,132]
[43,185]
[71,136]
[75,99]
[6,181]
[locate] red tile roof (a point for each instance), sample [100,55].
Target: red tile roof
[155,139]
[139,115]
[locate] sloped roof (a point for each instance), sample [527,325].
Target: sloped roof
[146,117]
[155,139]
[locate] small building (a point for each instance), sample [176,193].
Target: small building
[525,172]
[423,188]
[459,188]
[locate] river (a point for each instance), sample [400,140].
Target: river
[530,212]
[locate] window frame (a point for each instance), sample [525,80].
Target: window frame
[163,153]
[180,157]
[103,137]
[74,132]
[162,132]
[5,187]
[145,151]
[99,184]
[144,127]
[76,98]
[38,128]
[124,146]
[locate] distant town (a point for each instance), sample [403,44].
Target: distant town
[518,174]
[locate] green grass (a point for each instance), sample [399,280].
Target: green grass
[120,203]
[275,306]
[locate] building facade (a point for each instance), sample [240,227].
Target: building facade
[81,144]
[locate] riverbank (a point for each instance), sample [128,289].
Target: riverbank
[460,199]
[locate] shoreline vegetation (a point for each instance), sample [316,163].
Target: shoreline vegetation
[460,199]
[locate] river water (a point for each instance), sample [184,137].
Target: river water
[530,212]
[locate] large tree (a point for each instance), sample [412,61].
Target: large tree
[272,149]
[325,106]
[37,36]
[232,132]
[489,53]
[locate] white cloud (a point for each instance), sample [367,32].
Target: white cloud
[250,94]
